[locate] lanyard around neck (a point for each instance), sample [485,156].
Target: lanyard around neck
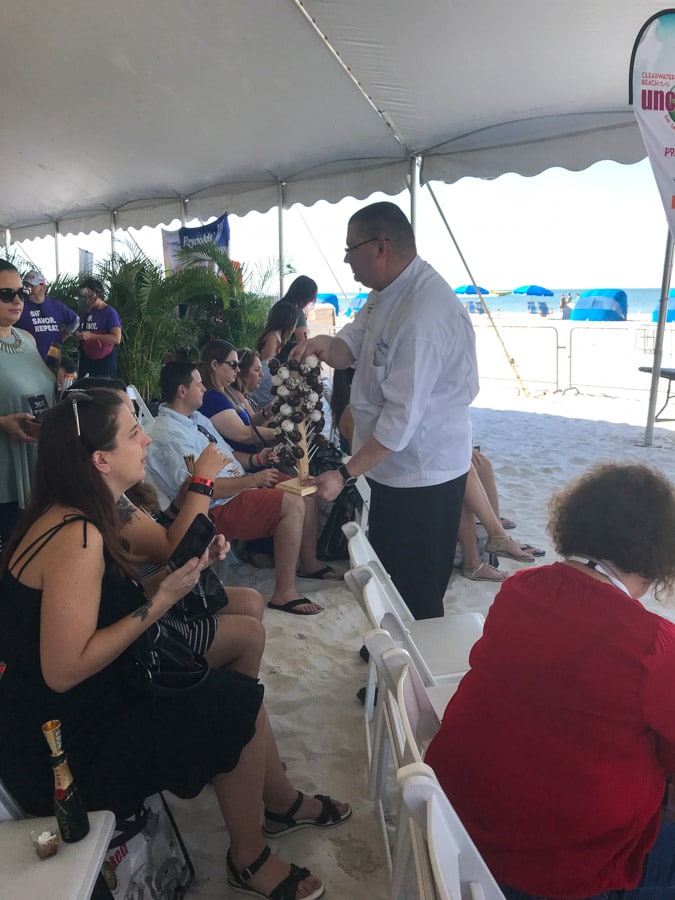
[597,567]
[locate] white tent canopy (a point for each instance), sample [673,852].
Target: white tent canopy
[154,110]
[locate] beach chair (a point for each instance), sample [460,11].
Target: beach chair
[458,869]
[440,647]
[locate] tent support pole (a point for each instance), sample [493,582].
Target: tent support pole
[658,343]
[280,226]
[8,241]
[56,247]
[113,229]
[510,359]
[183,211]
[414,189]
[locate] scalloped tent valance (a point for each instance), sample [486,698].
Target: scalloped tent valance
[149,110]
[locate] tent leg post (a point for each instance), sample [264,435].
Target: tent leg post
[658,343]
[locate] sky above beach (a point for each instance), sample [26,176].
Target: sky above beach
[602,227]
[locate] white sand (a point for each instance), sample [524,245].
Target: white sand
[311,669]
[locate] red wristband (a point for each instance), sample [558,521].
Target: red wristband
[206,481]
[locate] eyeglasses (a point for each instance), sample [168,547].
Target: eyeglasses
[76,397]
[351,249]
[234,365]
[7,295]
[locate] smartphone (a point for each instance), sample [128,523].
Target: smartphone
[194,542]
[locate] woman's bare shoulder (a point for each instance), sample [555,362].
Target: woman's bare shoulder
[61,533]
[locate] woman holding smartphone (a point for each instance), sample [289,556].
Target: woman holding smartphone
[70,613]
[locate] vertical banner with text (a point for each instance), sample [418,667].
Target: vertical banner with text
[652,93]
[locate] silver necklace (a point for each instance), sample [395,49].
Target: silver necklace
[14,344]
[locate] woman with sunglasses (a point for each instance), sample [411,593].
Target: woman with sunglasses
[23,373]
[227,407]
[70,613]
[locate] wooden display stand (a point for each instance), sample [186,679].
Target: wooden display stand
[295,485]
[298,419]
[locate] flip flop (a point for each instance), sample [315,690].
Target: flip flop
[290,607]
[323,574]
[497,547]
[535,551]
[328,817]
[507,524]
[480,573]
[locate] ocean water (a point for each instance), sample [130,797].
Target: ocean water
[641,301]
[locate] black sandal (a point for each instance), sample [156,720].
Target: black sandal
[329,816]
[285,890]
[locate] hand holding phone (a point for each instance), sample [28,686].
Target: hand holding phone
[194,542]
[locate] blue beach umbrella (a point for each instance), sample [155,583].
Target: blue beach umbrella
[533,290]
[470,289]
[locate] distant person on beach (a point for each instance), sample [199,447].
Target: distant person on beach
[48,320]
[415,376]
[556,748]
[565,309]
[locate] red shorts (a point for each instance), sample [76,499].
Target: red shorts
[251,514]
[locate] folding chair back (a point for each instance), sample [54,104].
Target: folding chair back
[459,870]
[145,417]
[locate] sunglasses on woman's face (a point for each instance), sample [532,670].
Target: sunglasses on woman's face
[7,295]
[233,364]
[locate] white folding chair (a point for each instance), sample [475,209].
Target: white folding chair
[439,647]
[458,869]
[406,719]
[145,417]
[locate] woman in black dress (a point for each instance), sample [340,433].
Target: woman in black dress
[70,614]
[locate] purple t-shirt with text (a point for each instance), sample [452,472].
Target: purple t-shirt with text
[44,321]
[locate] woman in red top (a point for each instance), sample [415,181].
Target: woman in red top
[556,747]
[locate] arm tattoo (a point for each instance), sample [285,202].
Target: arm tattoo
[125,509]
[142,611]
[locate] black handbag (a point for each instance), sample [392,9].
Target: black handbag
[165,661]
[206,597]
[332,543]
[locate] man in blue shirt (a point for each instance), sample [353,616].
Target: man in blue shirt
[48,320]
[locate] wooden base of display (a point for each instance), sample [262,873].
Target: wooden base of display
[295,486]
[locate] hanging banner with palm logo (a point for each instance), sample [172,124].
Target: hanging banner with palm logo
[652,93]
[217,232]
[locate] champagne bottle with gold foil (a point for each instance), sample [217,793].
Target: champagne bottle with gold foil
[71,816]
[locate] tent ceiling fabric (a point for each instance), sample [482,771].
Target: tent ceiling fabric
[133,106]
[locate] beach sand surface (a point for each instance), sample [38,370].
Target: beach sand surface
[311,668]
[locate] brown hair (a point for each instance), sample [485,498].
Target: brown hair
[65,474]
[620,512]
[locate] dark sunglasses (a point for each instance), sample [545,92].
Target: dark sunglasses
[7,295]
[234,365]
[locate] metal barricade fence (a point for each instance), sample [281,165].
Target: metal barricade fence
[567,355]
